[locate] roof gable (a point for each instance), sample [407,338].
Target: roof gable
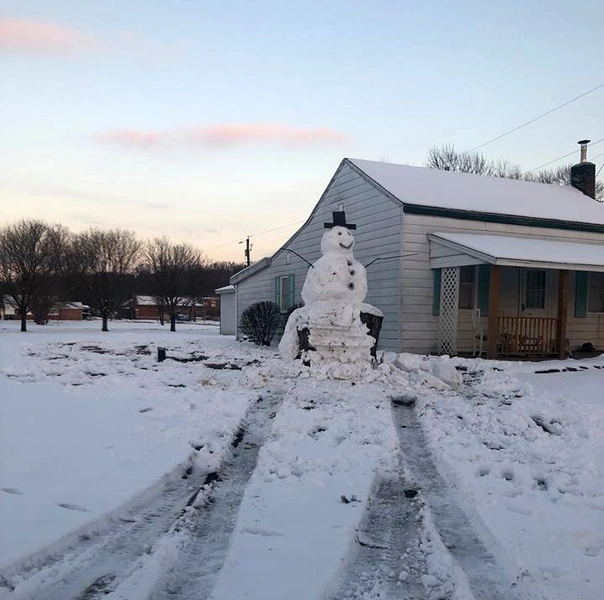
[449,190]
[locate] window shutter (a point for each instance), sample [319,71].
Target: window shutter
[436,277]
[277,290]
[581,292]
[484,283]
[292,290]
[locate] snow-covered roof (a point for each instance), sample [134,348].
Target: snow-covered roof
[71,304]
[250,270]
[478,193]
[145,301]
[522,251]
[227,289]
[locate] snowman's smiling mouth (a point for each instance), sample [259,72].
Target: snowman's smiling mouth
[345,246]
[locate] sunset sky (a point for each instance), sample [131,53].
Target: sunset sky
[211,120]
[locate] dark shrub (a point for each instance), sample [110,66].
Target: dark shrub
[260,321]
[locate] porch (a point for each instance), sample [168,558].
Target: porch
[504,297]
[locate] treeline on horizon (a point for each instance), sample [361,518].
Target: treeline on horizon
[42,264]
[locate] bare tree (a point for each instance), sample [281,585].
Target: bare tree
[52,285]
[173,267]
[106,261]
[447,158]
[30,252]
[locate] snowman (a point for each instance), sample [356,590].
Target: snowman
[333,295]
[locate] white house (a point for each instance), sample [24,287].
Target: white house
[458,262]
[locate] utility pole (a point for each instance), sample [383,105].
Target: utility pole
[247,251]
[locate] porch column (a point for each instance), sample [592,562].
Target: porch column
[492,330]
[447,324]
[562,312]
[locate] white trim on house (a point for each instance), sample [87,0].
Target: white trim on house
[511,251]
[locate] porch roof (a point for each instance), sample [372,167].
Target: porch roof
[458,249]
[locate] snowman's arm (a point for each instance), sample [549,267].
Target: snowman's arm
[390,257]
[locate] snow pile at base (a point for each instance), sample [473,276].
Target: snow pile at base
[336,333]
[436,372]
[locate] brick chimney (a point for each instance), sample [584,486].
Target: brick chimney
[583,174]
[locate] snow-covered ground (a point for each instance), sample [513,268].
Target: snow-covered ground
[92,427]
[90,420]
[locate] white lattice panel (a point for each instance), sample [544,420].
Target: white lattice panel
[449,296]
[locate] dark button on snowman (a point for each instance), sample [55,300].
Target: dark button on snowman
[333,295]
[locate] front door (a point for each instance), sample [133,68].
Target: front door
[533,293]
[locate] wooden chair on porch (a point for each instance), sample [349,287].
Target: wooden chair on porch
[479,337]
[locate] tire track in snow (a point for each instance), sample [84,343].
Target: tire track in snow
[385,560]
[93,564]
[89,563]
[194,571]
[485,577]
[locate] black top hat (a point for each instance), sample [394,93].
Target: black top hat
[339,220]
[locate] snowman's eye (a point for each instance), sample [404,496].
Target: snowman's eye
[339,233]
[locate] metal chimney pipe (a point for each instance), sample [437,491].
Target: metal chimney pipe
[583,144]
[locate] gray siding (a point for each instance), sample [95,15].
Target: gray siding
[419,328]
[378,234]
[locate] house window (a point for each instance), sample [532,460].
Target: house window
[535,289]
[284,292]
[595,298]
[467,285]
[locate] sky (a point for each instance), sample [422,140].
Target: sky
[208,121]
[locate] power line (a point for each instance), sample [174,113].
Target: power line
[549,112]
[253,234]
[561,157]
[596,156]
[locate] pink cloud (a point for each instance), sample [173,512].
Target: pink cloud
[40,37]
[226,135]
[129,137]
[37,36]
[229,135]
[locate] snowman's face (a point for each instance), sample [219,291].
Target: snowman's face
[337,239]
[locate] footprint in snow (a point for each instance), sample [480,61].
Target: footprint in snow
[70,506]
[12,490]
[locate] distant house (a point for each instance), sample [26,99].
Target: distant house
[145,307]
[207,307]
[458,262]
[62,311]
[148,307]
[71,311]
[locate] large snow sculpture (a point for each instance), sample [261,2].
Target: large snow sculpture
[333,295]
